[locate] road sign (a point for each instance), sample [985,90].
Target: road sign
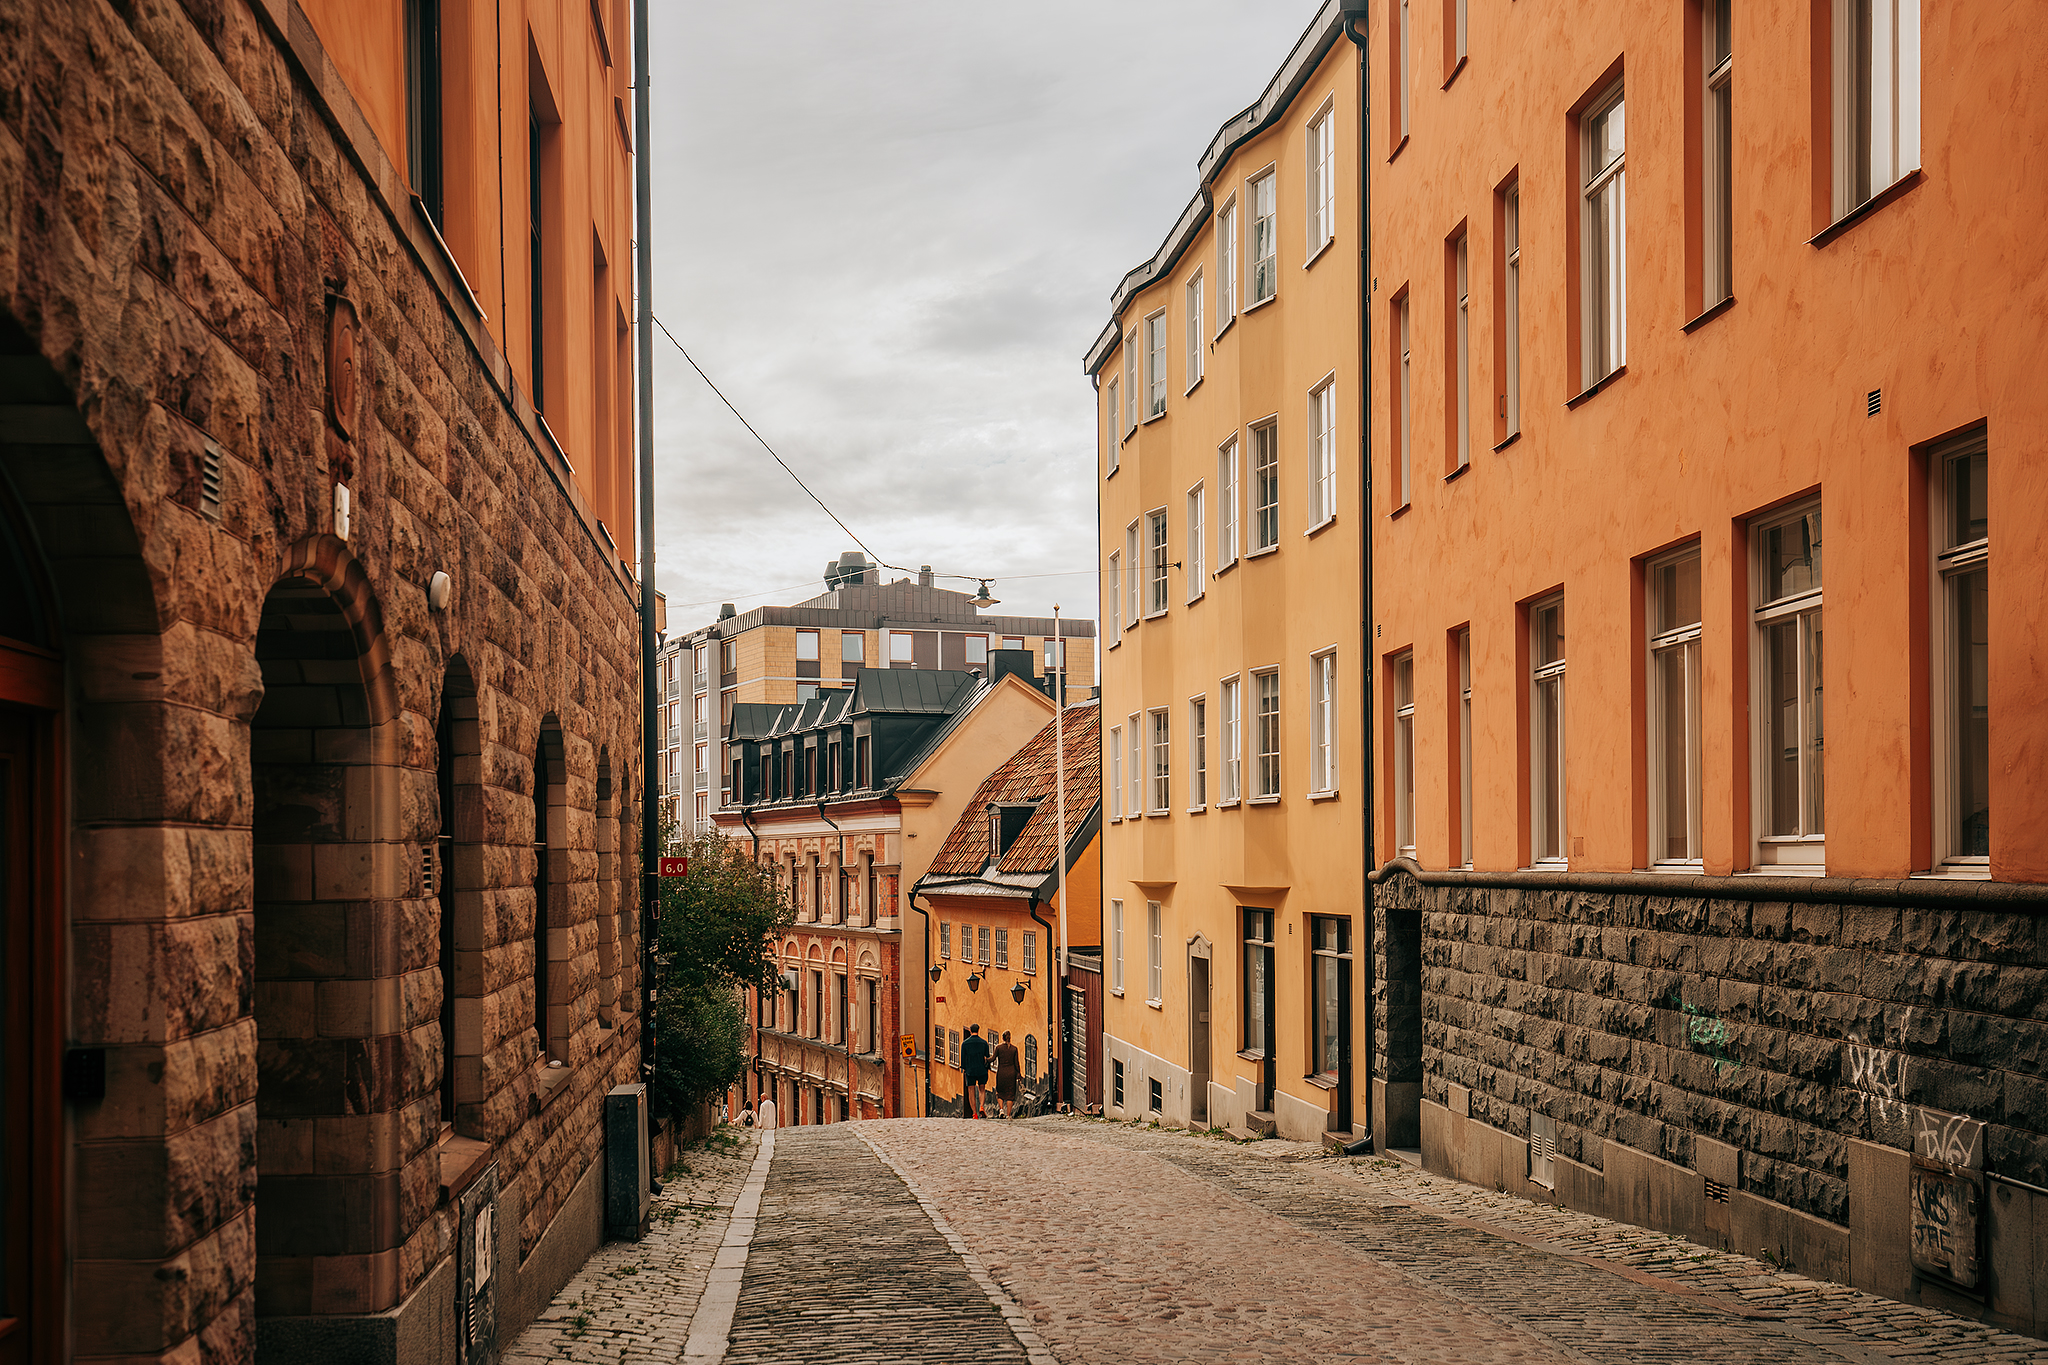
[675,867]
[909,1047]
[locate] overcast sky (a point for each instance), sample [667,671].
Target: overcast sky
[889,231]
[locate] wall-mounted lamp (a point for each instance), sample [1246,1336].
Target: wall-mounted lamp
[439,589]
[1017,992]
[937,972]
[974,981]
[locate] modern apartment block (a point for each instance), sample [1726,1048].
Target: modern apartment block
[791,654]
[1228,386]
[1714,887]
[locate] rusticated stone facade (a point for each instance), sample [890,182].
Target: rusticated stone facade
[1745,1060]
[312,816]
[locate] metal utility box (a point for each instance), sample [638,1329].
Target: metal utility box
[627,1186]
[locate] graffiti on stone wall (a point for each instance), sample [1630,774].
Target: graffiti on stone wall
[1707,1034]
[1951,1139]
[1880,1077]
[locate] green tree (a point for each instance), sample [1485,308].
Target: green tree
[717,923]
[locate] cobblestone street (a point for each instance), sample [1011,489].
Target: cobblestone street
[1084,1241]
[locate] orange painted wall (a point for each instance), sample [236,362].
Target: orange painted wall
[498,62]
[1939,298]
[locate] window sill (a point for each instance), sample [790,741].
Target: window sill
[1458,473]
[1192,387]
[1322,1082]
[1398,512]
[1153,418]
[1455,72]
[1513,437]
[1547,865]
[1262,552]
[1155,1005]
[1196,598]
[1320,527]
[1115,640]
[1228,323]
[1112,472]
[1264,801]
[1322,796]
[1691,868]
[1785,870]
[1117,991]
[1953,872]
[1159,814]
[1257,304]
[1704,318]
[1602,382]
[1246,1056]
[550,1081]
[1397,148]
[1227,567]
[1890,193]
[1198,810]
[1227,805]
[1317,254]
[1155,615]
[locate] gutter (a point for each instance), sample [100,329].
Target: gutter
[1355,14]
[650,702]
[925,1036]
[1051,1004]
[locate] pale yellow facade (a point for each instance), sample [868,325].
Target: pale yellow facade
[1260,600]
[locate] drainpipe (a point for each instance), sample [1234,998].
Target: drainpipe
[1355,13]
[910,899]
[840,870]
[650,703]
[1052,997]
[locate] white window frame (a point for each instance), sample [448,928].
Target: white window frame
[1159,737]
[1679,641]
[1030,950]
[1322,454]
[968,651]
[1227,519]
[1131,615]
[1547,791]
[1197,536]
[1116,774]
[1263,192]
[1197,338]
[1320,186]
[1462,357]
[1406,413]
[1231,750]
[1955,561]
[1717,180]
[1886,98]
[1156,562]
[1114,434]
[1805,849]
[1603,236]
[1116,594]
[1266,765]
[1323,727]
[1226,265]
[1511,215]
[1463,644]
[807,640]
[1401,669]
[1198,753]
[1155,956]
[1116,947]
[1264,489]
[1155,365]
[1131,403]
[1134,772]
[1463,34]
[909,642]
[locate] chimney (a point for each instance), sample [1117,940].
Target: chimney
[1017,661]
[924,575]
[726,613]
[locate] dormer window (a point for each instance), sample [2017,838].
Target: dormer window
[1006,820]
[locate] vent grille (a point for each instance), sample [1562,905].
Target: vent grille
[1543,1151]
[1717,1192]
[427,871]
[209,483]
[1875,401]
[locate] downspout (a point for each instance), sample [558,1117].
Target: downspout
[1052,997]
[650,703]
[1355,13]
[910,899]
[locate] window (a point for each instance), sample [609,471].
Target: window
[541,150]
[818,1006]
[1604,220]
[945,941]
[1198,753]
[1877,97]
[953,1048]
[840,1012]
[1226,504]
[1155,1091]
[804,692]
[1030,1057]
[1162,760]
[1322,181]
[1116,772]
[853,647]
[1322,722]
[423,103]
[1116,591]
[1460,388]
[1459,34]
[1198,339]
[1962,563]
[1330,1003]
[1155,955]
[729,657]
[1155,365]
[1266,737]
[1404,755]
[1790,789]
[981,939]
[902,647]
[1003,949]
[1155,563]
[1404,42]
[1257,1006]
[1110,435]
[807,646]
[703,757]
[1013,642]
[1131,612]
[1116,946]
[1546,730]
[1232,745]
[1717,176]
[1116,1096]
[1136,791]
[1464,647]
[1226,265]
[1674,741]
[1056,653]
[1265,487]
[975,649]
[1322,453]
[1197,537]
[1511,310]
[1131,381]
[1265,265]
[1030,953]
[1404,415]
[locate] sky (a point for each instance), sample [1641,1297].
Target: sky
[889,231]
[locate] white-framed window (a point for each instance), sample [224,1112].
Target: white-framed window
[1198,338]
[1155,365]
[902,647]
[807,646]
[1226,263]
[1790,772]
[1265,487]
[1321,188]
[1226,504]
[1131,395]
[1404,415]
[1460,32]
[1134,804]
[1322,722]
[1877,97]
[1674,711]
[1511,306]
[1717,172]
[1116,946]
[1603,148]
[1232,750]
[1463,644]
[1546,731]
[1962,648]
[703,757]
[1162,760]
[853,647]
[1055,653]
[1198,753]
[1132,574]
[1003,949]
[1155,955]
[1112,411]
[1266,735]
[981,941]
[1116,592]
[945,941]
[1403,674]
[1322,453]
[1030,953]
[1461,355]
[976,649]
[1116,772]
[1265,241]
[1403,72]
[1014,642]
[1155,561]
[1197,536]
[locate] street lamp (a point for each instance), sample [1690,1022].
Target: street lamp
[982,599]
[974,981]
[1017,992]
[937,972]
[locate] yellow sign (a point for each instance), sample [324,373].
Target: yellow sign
[909,1047]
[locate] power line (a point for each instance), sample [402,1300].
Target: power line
[737,595]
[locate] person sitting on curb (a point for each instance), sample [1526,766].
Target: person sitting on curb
[974,1054]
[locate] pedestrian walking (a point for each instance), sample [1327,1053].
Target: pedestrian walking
[1008,1071]
[974,1053]
[767,1115]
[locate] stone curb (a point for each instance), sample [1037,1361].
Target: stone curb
[1020,1325]
[711,1325]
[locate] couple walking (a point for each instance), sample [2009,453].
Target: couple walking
[976,1056]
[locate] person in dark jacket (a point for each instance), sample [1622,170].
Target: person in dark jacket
[1008,1073]
[974,1054]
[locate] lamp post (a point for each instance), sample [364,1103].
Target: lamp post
[1059,784]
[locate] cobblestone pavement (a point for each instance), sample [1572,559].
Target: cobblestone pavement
[633,1301]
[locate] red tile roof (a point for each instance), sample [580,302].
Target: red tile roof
[1028,777]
